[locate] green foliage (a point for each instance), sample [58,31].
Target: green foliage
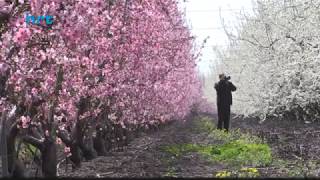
[233,135]
[27,151]
[241,153]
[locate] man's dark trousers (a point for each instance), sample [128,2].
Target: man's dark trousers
[223,116]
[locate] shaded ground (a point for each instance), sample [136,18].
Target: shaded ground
[145,157]
[295,149]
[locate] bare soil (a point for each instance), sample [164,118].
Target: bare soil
[294,142]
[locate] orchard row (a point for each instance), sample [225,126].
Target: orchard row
[103,68]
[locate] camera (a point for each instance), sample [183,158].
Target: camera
[228,78]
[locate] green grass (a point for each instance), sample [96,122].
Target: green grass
[235,153]
[235,148]
[241,153]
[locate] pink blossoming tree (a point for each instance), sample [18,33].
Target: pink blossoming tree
[129,63]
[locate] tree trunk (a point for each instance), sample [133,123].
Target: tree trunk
[107,140]
[4,150]
[99,142]
[15,166]
[75,156]
[87,148]
[49,158]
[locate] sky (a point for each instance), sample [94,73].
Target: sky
[204,20]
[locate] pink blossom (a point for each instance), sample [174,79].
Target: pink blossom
[47,133]
[25,121]
[67,151]
[34,91]
[58,141]
[22,36]
[112,116]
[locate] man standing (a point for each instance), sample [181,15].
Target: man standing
[224,100]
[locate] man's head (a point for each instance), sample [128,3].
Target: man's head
[221,76]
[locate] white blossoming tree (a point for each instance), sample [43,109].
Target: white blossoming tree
[274,60]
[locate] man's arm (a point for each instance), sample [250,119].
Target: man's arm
[216,86]
[232,87]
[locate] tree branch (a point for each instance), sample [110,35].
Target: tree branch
[38,143]
[64,137]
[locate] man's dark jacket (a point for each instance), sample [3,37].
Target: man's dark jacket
[224,95]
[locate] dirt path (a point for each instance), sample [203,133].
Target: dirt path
[145,157]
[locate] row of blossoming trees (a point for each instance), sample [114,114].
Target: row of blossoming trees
[102,69]
[274,59]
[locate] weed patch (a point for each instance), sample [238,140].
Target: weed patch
[241,153]
[235,153]
[235,148]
